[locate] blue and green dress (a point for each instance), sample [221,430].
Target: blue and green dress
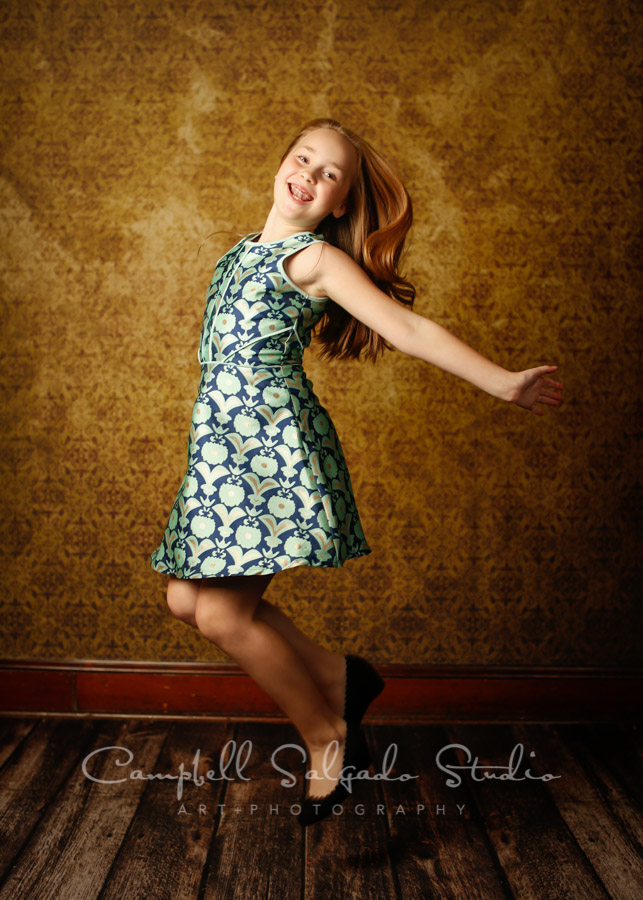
[267,486]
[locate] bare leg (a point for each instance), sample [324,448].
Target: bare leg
[327,669]
[225,614]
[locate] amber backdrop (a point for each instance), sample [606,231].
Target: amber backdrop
[133,130]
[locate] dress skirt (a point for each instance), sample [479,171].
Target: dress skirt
[267,486]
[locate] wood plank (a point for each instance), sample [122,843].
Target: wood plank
[421,693]
[438,845]
[166,849]
[534,846]
[427,696]
[28,690]
[66,836]
[12,733]
[618,747]
[509,698]
[348,855]
[33,774]
[624,806]
[596,823]
[256,852]
[142,692]
[72,846]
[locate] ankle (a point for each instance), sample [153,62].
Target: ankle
[322,738]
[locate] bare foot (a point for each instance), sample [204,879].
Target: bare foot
[326,762]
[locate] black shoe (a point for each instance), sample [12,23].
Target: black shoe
[363,685]
[357,757]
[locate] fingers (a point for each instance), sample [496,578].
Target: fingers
[543,390]
[540,373]
[546,397]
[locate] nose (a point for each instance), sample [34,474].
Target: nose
[308,175]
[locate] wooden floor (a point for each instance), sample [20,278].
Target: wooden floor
[80,820]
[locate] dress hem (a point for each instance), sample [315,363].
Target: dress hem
[301,565]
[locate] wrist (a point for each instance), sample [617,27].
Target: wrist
[510,387]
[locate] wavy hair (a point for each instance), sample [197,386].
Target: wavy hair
[372,232]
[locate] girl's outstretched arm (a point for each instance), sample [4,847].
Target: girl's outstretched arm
[340,278]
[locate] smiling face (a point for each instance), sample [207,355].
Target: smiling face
[314,179]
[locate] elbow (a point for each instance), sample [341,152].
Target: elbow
[405,338]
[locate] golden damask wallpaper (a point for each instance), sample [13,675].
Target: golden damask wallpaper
[140,139]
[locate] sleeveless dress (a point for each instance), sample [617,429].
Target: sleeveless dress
[267,486]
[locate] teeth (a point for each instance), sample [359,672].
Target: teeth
[298,193]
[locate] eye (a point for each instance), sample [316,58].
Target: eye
[303,158]
[330,175]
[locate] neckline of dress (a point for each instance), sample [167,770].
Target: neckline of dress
[280,240]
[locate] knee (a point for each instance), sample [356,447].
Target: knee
[220,621]
[181,599]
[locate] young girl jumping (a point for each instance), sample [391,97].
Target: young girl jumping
[267,487]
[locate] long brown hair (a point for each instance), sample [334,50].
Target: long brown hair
[372,232]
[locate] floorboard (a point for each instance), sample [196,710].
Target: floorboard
[536,849]
[438,845]
[94,809]
[83,823]
[167,841]
[605,824]
[259,847]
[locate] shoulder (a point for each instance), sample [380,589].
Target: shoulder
[311,267]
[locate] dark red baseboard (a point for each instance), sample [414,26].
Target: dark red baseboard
[414,693]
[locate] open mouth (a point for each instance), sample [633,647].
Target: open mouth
[299,193]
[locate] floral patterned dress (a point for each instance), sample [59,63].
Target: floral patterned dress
[266,487]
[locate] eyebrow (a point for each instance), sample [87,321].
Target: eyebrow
[312,150]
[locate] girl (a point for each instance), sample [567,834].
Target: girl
[267,487]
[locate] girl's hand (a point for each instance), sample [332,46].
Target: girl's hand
[332,273]
[532,386]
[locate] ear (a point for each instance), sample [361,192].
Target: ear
[339,211]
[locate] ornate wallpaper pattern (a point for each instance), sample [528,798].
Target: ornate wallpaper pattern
[140,139]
